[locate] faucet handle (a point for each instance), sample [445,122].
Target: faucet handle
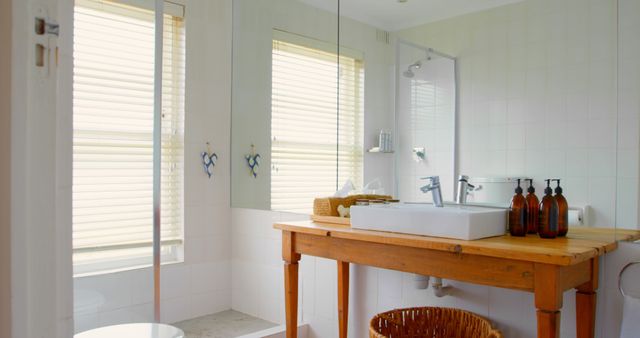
[433,179]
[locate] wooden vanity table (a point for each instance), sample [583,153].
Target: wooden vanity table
[542,266]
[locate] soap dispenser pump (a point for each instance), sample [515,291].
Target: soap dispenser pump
[548,219]
[518,214]
[533,208]
[563,211]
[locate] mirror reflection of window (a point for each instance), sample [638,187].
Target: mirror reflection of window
[306,159]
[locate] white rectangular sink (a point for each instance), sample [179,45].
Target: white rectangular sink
[450,221]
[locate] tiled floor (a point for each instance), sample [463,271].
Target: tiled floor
[227,324]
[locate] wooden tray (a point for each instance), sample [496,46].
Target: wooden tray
[333,220]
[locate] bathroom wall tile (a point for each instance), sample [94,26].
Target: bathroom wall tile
[602,163]
[628,126]
[578,162]
[85,322]
[326,271]
[113,289]
[505,310]
[175,309]
[175,281]
[628,163]
[194,249]
[535,136]
[627,203]
[208,277]
[602,201]
[577,104]
[576,190]
[497,138]
[114,317]
[577,134]
[516,162]
[210,302]
[217,249]
[556,163]
[142,313]
[245,291]
[307,285]
[141,284]
[271,304]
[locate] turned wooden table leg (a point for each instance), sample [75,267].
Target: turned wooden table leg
[586,304]
[343,298]
[291,259]
[548,299]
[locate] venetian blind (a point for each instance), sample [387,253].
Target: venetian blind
[113,135]
[307,161]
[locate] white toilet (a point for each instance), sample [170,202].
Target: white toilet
[136,330]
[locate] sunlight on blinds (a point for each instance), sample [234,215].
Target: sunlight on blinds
[112,138]
[304,125]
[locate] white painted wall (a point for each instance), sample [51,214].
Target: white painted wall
[41,181]
[202,284]
[5,169]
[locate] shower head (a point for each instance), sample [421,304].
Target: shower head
[409,72]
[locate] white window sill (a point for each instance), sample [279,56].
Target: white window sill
[131,268]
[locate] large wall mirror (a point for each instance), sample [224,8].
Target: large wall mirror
[284,106]
[495,90]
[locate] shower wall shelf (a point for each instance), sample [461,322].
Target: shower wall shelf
[378,151]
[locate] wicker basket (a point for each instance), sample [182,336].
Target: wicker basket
[328,206]
[431,322]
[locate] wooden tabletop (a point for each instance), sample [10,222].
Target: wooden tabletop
[580,244]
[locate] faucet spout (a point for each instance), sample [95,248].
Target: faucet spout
[464,188]
[434,187]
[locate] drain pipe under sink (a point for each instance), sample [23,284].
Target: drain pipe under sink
[440,290]
[420,282]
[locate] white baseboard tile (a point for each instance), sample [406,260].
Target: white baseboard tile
[278,332]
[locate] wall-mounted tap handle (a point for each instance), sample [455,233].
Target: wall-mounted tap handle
[434,179]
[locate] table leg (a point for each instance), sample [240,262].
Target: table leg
[586,304]
[343,297]
[548,299]
[291,260]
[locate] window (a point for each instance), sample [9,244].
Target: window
[307,160]
[112,135]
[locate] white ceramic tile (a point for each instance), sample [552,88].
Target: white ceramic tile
[141,284]
[85,322]
[602,163]
[326,273]
[113,290]
[208,277]
[202,304]
[175,281]
[175,309]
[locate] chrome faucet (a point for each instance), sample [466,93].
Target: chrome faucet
[434,187]
[463,189]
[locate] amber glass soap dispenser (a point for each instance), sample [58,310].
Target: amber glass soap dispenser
[548,219]
[533,211]
[563,211]
[518,214]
